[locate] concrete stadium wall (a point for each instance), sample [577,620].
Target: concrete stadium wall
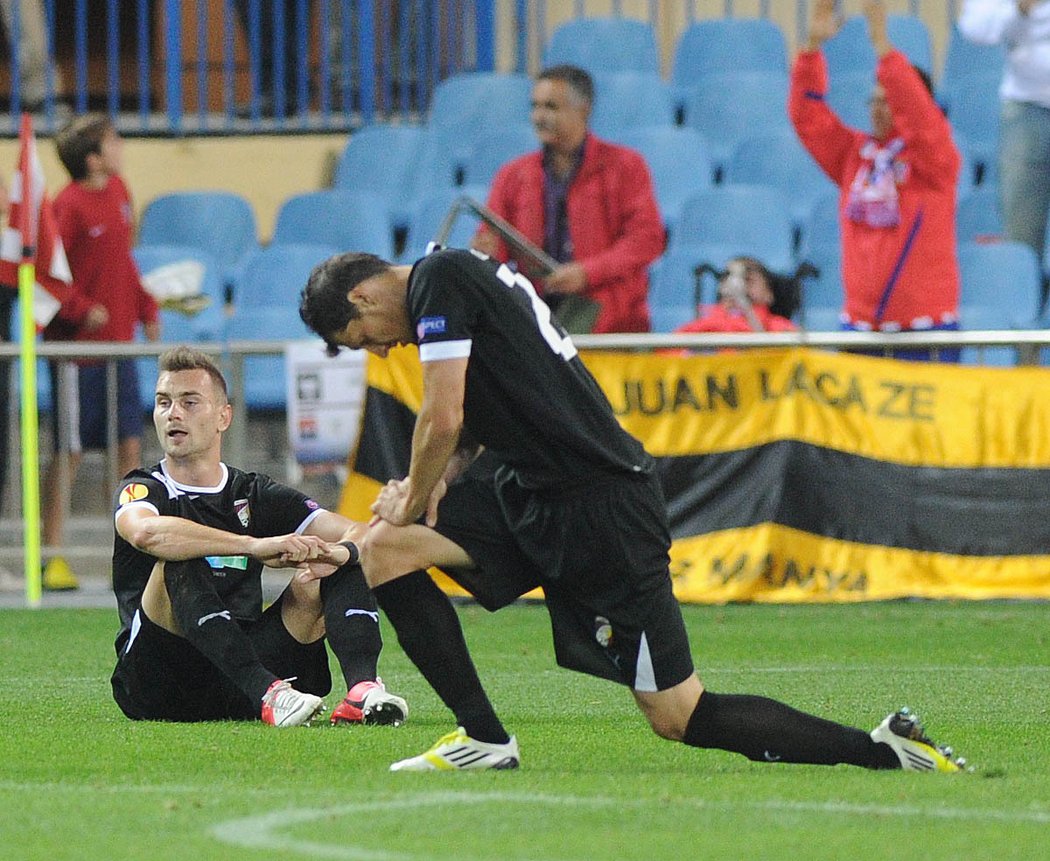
[264,169]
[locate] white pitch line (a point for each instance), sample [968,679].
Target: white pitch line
[263,831]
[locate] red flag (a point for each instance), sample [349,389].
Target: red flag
[31,234]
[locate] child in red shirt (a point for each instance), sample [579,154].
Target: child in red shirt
[106,302]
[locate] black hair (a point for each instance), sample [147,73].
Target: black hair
[323,305]
[578,80]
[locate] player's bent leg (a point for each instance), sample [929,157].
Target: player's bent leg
[155,601]
[389,552]
[301,610]
[669,711]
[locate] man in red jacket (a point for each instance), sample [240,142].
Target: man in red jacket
[587,202]
[898,186]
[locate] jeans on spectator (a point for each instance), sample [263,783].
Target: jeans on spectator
[1024,173]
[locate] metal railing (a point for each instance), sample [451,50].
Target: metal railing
[234,66]
[231,357]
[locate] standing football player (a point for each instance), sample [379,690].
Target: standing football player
[192,537]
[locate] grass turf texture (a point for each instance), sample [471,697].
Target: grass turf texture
[77,780]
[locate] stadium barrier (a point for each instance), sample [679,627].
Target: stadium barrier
[793,473]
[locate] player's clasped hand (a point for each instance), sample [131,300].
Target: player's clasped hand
[392,503]
[281,551]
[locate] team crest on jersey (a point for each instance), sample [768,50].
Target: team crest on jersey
[603,631]
[430,326]
[133,492]
[240,507]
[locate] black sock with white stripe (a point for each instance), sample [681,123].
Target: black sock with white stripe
[204,620]
[351,621]
[765,730]
[428,630]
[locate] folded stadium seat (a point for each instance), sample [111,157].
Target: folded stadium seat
[679,164]
[822,230]
[727,108]
[627,100]
[346,220]
[429,214]
[972,103]
[778,159]
[165,261]
[823,296]
[492,149]
[963,58]
[1005,276]
[602,45]
[219,222]
[382,159]
[742,219]
[726,45]
[266,308]
[469,104]
[978,217]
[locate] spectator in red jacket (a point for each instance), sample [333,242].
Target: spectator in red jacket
[898,186]
[587,202]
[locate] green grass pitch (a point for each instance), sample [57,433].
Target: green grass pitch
[78,781]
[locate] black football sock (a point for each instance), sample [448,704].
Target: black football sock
[351,622]
[765,730]
[428,630]
[204,620]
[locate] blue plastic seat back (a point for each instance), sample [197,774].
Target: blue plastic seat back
[728,108]
[604,45]
[276,276]
[346,220]
[219,222]
[963,58]
[429,214]
[627,100]
[1002,277]
[382,159]
[721,45]
[978,217]
[493,149]
[679,164]
[264,376]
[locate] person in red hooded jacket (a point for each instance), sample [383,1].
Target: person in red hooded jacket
[587,202]
[898,186]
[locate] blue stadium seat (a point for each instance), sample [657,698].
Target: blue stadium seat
[672,283]
[744,219]
[727,108]
[491,150]
[910,35]
[275,276]
[822,297]
[468,105]
[778,159]
[627,100]
[679,164]
[604,45]
[382,159]
[151,257]
[1003,278]
[428,215]
[963,58]
[978,216]
[972,104]
[264,376]
[821,231]
[346,220]
[850,50]
[219,222]
[727,45]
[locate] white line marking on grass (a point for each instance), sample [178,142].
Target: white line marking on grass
[263,831]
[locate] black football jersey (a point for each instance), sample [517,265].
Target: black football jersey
[529,398]
[245,503]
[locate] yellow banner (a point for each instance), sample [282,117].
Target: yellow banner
[799,475]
